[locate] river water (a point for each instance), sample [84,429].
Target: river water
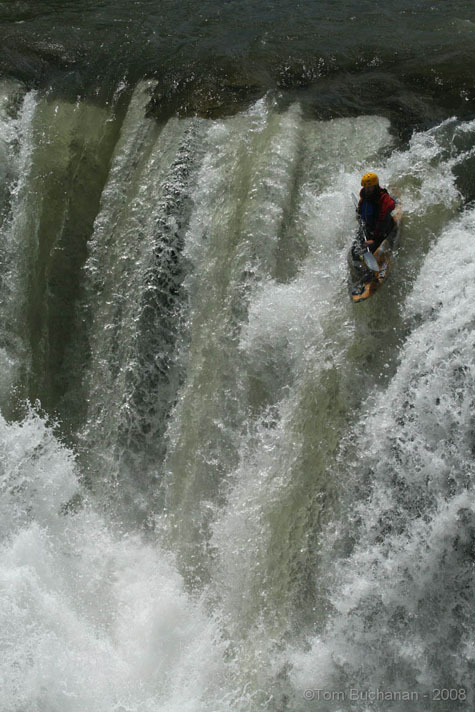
[224,486]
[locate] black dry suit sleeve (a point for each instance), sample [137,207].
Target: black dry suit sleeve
[386,225]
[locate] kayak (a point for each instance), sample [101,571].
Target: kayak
[368,285]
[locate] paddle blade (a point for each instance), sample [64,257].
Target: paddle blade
[370,261]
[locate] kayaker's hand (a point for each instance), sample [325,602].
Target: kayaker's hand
[368,242]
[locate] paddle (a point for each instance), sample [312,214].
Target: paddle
[369,258]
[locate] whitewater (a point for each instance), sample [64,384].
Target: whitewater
[223,485]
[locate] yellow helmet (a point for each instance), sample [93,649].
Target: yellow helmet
[369,179]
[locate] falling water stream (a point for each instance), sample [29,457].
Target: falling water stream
[224,486]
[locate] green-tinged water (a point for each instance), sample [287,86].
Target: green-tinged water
[223,485]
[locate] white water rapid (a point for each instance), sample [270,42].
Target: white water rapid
[233,489]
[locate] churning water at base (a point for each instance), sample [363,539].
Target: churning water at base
[266,489]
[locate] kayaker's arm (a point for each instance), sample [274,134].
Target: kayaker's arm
[387,224]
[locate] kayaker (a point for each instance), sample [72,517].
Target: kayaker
[374,208]
[375,239]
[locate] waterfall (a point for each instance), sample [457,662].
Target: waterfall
[223,483]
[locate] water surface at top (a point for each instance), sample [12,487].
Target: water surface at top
[419,59]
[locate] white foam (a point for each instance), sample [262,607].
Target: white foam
[91,619]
